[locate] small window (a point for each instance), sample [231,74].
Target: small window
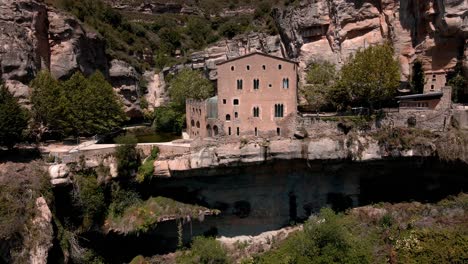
[224,101]
[432,87]
[280,66]
[228,117]
[248,67]
[279,110]
[232,68]
[256,111]
[285,83]
[433,76]
[238,131]
[256,132]
[192,123]
[229,131]
[278,131]
[239,84]
[269,85]
[235,102]
[264,67]
[256,84]
[198,124]
[236,115]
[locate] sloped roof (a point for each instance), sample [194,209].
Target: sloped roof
[421,96]
[256,53]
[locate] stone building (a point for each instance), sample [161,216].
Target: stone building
[434,81]
[257,96]
[437,100]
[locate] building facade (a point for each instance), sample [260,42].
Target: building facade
[434,81]
[257,96]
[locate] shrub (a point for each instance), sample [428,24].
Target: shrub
[326,238]
[168,119]
[89,196]
[204,251]
[128,158]
[146,170]
[121,199]
[13,119]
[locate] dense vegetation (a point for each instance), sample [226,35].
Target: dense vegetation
[146,40]
[369,78]
[13,119]
[78,106]
[187,84]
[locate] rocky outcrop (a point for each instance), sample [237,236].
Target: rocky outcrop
[154,7]
[156,94]
[238,46]
[72,48]
[24,47]
[433,32]
[124,78]
[224,155]
[41,233]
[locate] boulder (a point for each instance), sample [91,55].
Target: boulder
[58,171]
[125,80]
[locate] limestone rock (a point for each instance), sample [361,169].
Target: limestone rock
[72,48]
[228,49]
[124,78]
[20,91]
[41,236]
[24,46]
[58,171]
[430,31]
[156,94]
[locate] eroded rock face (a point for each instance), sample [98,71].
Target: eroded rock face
[24,48]
[72,48]
[124,78]
[432,31]
[238,46]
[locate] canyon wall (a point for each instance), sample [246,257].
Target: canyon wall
[36,37]
[433,32]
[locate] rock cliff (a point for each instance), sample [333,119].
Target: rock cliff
[35,37]
[433,32]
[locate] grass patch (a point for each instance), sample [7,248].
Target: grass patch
[143,216]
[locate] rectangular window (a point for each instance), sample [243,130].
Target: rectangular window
[235,102]
[229,131]
[278,131]
[279,110]
[224,101]
[256,112]
[285,83]
[256,84]
[239,84]
[256,132]
[238,131]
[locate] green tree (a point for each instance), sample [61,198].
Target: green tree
[50,109]
[417,79]
[128,158]
[78,106]
[204,251]
[189,84]
[319,80]
[13,119]
[459,84]
[369,78]
[89,196]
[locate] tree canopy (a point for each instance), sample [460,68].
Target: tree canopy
[189,84]
[13,119]
[78,106]
[370,77]
[320,78]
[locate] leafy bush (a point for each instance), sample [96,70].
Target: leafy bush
[13,119]
[327,238]
[89,196]
[121,199]
[78,106]
[167,119]
[128,158]
[146,170]
[204,251]
[189,84]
